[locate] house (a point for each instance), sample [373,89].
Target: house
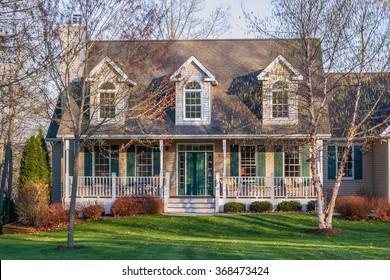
[236,132]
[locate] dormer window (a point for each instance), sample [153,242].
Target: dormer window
[107,93]
[193,101]
[279,100]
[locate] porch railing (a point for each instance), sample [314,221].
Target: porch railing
[268,187]
[113,186]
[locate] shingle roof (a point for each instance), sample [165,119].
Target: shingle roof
[235,65]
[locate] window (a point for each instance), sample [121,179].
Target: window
[192,100]
[248,161]
[107,101]
[280,100]
[291,162]
[144,161]
[348,168]
[102,161]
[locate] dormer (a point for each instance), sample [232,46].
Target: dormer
[193,83]
[280,86]
[109,87]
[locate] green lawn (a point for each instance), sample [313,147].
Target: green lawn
[267,236]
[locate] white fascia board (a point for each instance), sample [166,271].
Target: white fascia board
[193,59]
[297,76]
[115,66]
[200,136]
[386,133]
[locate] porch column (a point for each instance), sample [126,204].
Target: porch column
[161,168]
[217,192]
[66,146]
[166,191]
[224,168]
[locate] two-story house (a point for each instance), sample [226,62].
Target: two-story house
[237,130]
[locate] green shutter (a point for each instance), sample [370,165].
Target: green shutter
[332,162]
[278,161]
[260,161]
[305,161]
[234,164]
[87,162]
[358,162]
[156,161]
[115,159]
[130,161]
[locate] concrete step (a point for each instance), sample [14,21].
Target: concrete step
[190,205]
[190,210]
[191,200]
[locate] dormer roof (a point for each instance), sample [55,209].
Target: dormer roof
[114,66]
[296,76]
[209,77]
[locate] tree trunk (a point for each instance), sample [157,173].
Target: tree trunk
[3,183]
[72,206]
[10,160]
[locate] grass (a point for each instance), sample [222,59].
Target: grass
[250,236]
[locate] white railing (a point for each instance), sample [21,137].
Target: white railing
[113,186]
[268,187]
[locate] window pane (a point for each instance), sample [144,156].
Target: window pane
[193,105]
[102,161]
[348,168]
[107,106]
[144,161]
[279,100]
[248,161]
[291,162]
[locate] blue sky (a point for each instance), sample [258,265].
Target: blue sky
[260,8]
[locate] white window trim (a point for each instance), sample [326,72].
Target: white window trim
[300,163]
[289,99]
[93,162]
[239,158]
[353,162]
[201,91]
[115,91]
[136,163]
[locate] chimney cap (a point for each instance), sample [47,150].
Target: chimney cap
[76,19]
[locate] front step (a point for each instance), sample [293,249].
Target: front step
[199,205]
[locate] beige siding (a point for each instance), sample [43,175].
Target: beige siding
[349,186]
[381,157]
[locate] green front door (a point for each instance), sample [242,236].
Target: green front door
[195,170]
[195,173]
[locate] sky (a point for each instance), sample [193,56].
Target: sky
[260,8]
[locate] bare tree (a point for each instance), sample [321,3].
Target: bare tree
[182,19]
[352,39]
[70,51]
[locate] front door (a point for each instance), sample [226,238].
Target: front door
[196,168]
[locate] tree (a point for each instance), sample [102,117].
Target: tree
[34,164]
[354,40]
[69,50]
[181,19]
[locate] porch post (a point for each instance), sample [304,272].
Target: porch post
[161,167]
[66,144]
[113,185]
[166,191]
[217,192]
[224,168]
[272,186]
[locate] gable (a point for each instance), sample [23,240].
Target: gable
[274,67]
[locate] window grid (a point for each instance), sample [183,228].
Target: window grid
[193,101]
[348,168]
[279,100]
[102,161]
[248,161]
[292,162]
[107,106]
[144,161]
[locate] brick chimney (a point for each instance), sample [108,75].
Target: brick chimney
[73,44]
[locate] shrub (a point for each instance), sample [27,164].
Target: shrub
[30,202]
[289,206]
[260,206]
[353,207]
[53,216]
[129,206]
[234,207]
[92,211]
[311,206]
[382,208]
